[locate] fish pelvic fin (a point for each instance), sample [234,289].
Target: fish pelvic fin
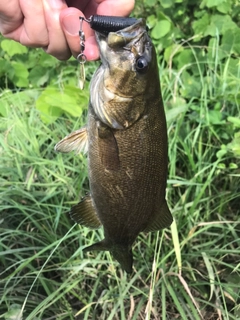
[76,141]
[84,213]
[163,219]
[121,253]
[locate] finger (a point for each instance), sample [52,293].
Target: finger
[33,31]
[57,43]
[11,16]
[115,8]
[92,51]
[81,5]
[104,7]
[70,24]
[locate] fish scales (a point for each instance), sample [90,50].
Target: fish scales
[145,186]
[126,135]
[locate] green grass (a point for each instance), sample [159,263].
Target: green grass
[189,271]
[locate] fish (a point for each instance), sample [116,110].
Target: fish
[126,142]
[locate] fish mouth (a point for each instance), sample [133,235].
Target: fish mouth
[117,82]
[123,38]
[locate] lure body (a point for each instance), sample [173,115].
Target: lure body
[106,24]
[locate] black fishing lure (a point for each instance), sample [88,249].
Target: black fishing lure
[102,24]
[106,24]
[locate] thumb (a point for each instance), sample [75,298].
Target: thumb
[69,19]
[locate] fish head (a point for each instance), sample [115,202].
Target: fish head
[127,77]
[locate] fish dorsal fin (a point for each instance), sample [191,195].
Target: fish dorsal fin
[76,141]
[163,219]
[85,214]
[108,148]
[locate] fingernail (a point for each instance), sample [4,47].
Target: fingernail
[71,24]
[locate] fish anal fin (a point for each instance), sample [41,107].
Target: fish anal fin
[76,141]
[85,214]
[108,148]
[163,219]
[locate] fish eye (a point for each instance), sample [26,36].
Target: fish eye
[141,65]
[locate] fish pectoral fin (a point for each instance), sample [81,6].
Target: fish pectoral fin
[163,219]
[85,214]
[108,148]
[76,141]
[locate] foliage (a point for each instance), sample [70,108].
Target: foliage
[189,272]
[54,83]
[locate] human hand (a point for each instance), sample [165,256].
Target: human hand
[54,24]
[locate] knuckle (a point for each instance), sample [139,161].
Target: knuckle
[59,54]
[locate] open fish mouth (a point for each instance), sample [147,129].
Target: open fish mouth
[124,38]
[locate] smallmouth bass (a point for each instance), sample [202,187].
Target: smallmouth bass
[126,142]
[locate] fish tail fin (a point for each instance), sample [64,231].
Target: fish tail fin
[124,257]
[121,253]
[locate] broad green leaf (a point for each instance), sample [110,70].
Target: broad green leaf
[150,3]
[151,21]
[14,312]
[38,76]
[215,117]
[224,7]
[234,74]
[234,120]
[20,78]
[161,29]
[184,58]
[167,3]
[219,25]
[6,67]
[230,42]
[200,25]
[171,51]
[53,101]
[191,85]
[211,3]
[12,47]
[233,165]
[178,108]
[234,146]
[47,61]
